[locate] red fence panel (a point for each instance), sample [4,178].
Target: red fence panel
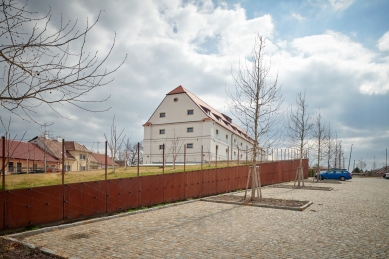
[151,190]
[232,179]
[194,188]
[123,194]
[209,182]
[42,205]
[85,199]
[33,206]
[221,180]
[175,187]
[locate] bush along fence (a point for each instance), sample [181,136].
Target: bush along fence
[68,202]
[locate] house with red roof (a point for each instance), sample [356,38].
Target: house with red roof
[100,158]
[26,157]
[184,119]
[77,156]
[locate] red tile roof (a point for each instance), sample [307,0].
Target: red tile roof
[73,145]
[177,90]
[25,150]
[101,159]
[213,114]
[53,146]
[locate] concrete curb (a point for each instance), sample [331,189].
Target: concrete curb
[301,208]
[307,188]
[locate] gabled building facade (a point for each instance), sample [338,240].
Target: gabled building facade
[184,119]
[22,157]
[77,156]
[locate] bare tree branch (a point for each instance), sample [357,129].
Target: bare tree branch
[39,67]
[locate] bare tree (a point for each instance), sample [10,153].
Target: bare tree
[299,125]
[133,155]
[362,164]
[40,67]
[175,147]
[319,137]
[115,142]
[329,144]
[256,103]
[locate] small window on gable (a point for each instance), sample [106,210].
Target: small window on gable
[217,147]
[190,112]
[189,129]
[234,140]
[217,131]
[241,144]
[162,115]
[161,131]
[226,136]
[189,145]
[160,146]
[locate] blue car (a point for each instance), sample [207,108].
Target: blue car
[336,174]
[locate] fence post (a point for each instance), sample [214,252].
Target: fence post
[201,189]
[217,148]
[185,158]
[186,177]
[163,173]
[238,156]
[3,180]
[138,177]
[247,151]
[105,175]
[201,157]
[228,154]
[63,179]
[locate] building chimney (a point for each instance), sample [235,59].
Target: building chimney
[59,138]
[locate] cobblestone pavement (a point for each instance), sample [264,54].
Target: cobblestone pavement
[352,221]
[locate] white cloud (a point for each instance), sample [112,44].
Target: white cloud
[383,42]
[298,17]
[340,5]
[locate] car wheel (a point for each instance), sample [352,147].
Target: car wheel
[321,178]
[342,178]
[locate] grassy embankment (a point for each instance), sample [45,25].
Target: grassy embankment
[20,181]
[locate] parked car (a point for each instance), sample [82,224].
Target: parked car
[386,175]
[335,173]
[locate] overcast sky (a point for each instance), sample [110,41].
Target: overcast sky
[335,50]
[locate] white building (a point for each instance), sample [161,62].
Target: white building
[184,119]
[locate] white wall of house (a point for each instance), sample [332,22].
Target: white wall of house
[171,119]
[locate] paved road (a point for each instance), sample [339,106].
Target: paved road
[352,221]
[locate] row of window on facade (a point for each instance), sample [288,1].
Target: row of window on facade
[163,114]
[190,130]
[11,167]
[189,145]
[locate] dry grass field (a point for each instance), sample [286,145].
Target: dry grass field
[19,181]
